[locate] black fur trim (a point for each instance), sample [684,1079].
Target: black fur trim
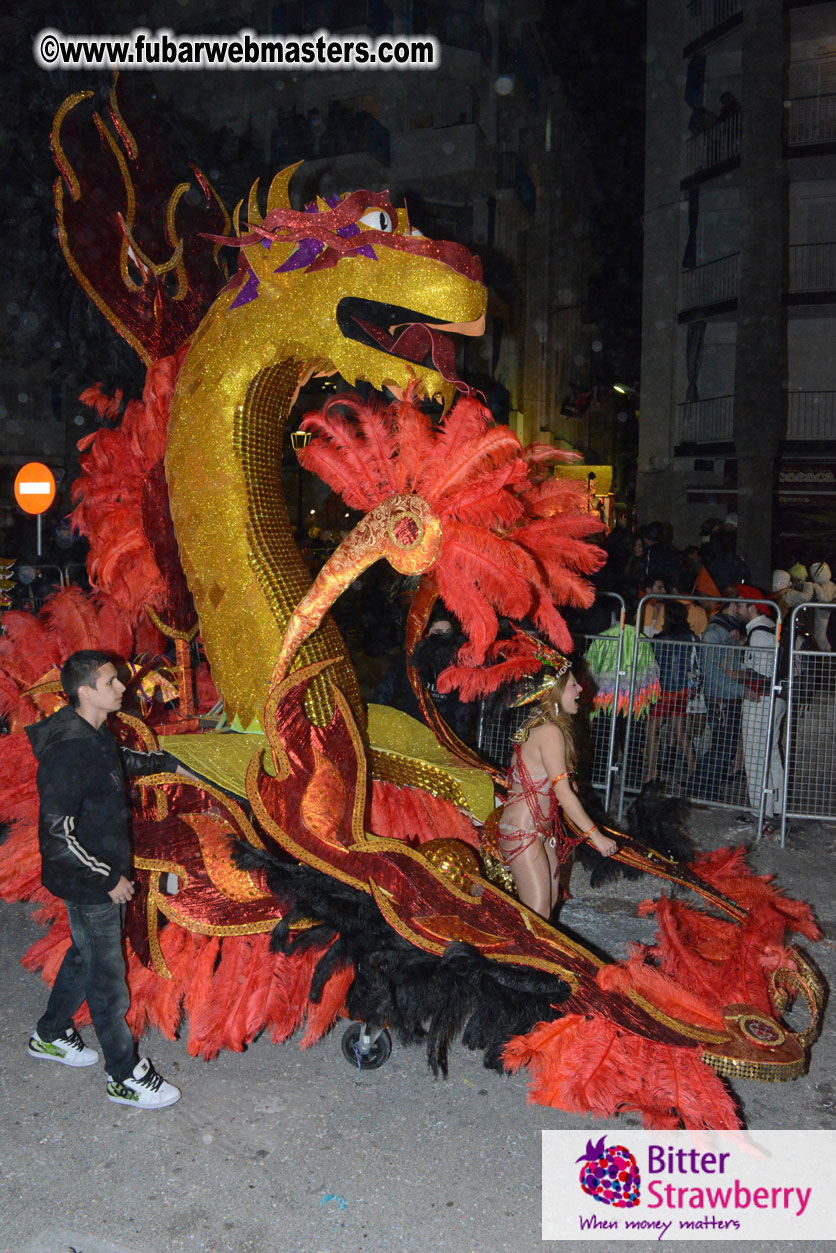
[434,653]
[653,819]
[416,995]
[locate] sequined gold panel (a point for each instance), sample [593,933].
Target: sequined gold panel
[274,556]
[405,752]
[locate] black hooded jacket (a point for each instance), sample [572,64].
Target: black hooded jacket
[84,817]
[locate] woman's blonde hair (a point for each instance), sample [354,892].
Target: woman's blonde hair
[548,709]
[550,705]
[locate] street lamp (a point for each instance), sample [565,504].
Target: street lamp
[298,441]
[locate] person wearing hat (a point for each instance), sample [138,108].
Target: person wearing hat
[824,591]
[781,591]
[756,677]
[532,836]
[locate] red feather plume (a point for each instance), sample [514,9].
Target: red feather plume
[508,548]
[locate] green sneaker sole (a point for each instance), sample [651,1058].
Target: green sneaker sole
[45,1049]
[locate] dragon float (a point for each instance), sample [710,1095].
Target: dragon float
[327,864]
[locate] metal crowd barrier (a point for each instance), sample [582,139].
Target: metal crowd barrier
[706,739]
[497,723]
[810,726]
[604,722]
[75,573]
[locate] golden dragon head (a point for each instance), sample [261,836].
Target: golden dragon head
[352,285]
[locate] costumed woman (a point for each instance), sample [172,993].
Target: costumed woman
[533,837]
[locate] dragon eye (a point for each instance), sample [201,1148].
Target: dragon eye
[378,220]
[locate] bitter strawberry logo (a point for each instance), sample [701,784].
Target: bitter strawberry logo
[610,1175]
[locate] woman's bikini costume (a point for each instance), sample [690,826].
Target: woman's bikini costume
[532,796]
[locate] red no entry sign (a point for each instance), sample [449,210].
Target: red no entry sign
[35,487]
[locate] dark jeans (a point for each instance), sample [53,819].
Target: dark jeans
[94,968]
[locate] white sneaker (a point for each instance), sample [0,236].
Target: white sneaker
[68,1049]
[144,1089]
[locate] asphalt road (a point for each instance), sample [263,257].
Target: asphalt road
[281,1150]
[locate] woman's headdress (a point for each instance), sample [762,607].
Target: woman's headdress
[554,664]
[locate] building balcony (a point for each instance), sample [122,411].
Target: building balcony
[712,284]
[713,288]
[812,272]
[810,125]
[709,19]
[715,149]
[705,421]
[811,416]
[811,120]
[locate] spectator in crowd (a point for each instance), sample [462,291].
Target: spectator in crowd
[659,560]
[653,616]
[800,583]
[676,661]
[700,120]
[434,652]
[723,696]
[612,690]
[632,573]
[756,677]
[729,105]
[824,593]
[782,592]
[721,560]
[698,581]
[616,575]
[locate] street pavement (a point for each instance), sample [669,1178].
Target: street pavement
[279,1150]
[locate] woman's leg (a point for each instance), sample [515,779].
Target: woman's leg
[534,876]
[554,874]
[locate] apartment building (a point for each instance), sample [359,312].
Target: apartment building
[739,308]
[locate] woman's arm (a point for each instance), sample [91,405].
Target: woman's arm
[552,748]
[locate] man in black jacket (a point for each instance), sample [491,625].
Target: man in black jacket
[84,838]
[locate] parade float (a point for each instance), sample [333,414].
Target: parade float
[335,861]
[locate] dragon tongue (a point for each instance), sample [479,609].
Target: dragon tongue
[413,344]
[416,340]
[377,333]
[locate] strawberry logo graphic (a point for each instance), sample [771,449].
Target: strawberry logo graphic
[610,1175]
